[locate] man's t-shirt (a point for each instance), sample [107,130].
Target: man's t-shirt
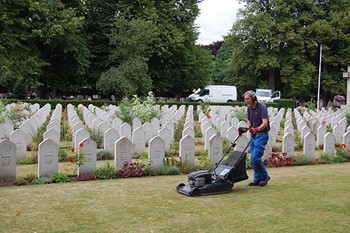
[255,115]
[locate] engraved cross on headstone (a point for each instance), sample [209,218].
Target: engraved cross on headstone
[347,75]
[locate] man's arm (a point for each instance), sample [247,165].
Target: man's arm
[263,125]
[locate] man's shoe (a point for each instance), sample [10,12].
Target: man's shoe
[253,184]
[264,182]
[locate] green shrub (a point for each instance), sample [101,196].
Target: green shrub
[174,148]
[285,103]
[60,178]
[62,155]
[178,130]
[96,136]
[325,157]
[107,171]
[204,163]
[168,170]
[42,180]
[30,177]
[104,155]
[197,130]
[339,158]
[20,181]
[240,113]
[300,159]
[27,160]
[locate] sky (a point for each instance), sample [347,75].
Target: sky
[216,19]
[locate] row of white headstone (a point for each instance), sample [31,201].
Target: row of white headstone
[122,142]
[14,148]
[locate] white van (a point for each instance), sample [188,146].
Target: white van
[267,95]
[214,93]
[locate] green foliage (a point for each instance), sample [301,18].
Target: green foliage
[144,110]
[96,136]
[30,177]
[282,122]
[205,107]
[20,181]
[58,177]
[42,180]
[107,171]
[240,113]
[347,116]
[178,130]
[183,167]
[39,137]
[174,148]
[17,113]
[62,154]
[204,163]
[126,80]
[26,160]
[299,159]
[197,130]
[168,170]
[285,103]
[311,106]
[342,154]
[104,155]
[326,157]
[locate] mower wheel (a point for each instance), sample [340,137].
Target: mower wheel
[194,192]
[180,186]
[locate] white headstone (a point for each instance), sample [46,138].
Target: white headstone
[47,158]
[18,137]
[156,152]
[309,146]
[187,150]
[109,139]
[215,148]
[8,159]
[90,151]
[123,152]
[288,144]
[138,140]
[329,144]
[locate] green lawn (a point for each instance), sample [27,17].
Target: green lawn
[297,199]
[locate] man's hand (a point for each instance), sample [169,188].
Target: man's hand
[254,131]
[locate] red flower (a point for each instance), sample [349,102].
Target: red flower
[208,116]
[323,123]
[81,145]
[342,145]
[72,150]
[70,159]
[300,149]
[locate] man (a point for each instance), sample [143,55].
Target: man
[258,123]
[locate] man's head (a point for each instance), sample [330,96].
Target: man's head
[250,97]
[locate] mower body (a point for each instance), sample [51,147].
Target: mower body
[220,180]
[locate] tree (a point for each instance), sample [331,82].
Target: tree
[42,43]
[277,43]
[126,80]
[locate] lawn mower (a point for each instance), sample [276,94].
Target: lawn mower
[222,178]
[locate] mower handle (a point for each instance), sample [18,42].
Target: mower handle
[241,130]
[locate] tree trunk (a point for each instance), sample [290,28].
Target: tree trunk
[272,78]
[54,91]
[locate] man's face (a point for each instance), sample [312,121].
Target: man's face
[248,99]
